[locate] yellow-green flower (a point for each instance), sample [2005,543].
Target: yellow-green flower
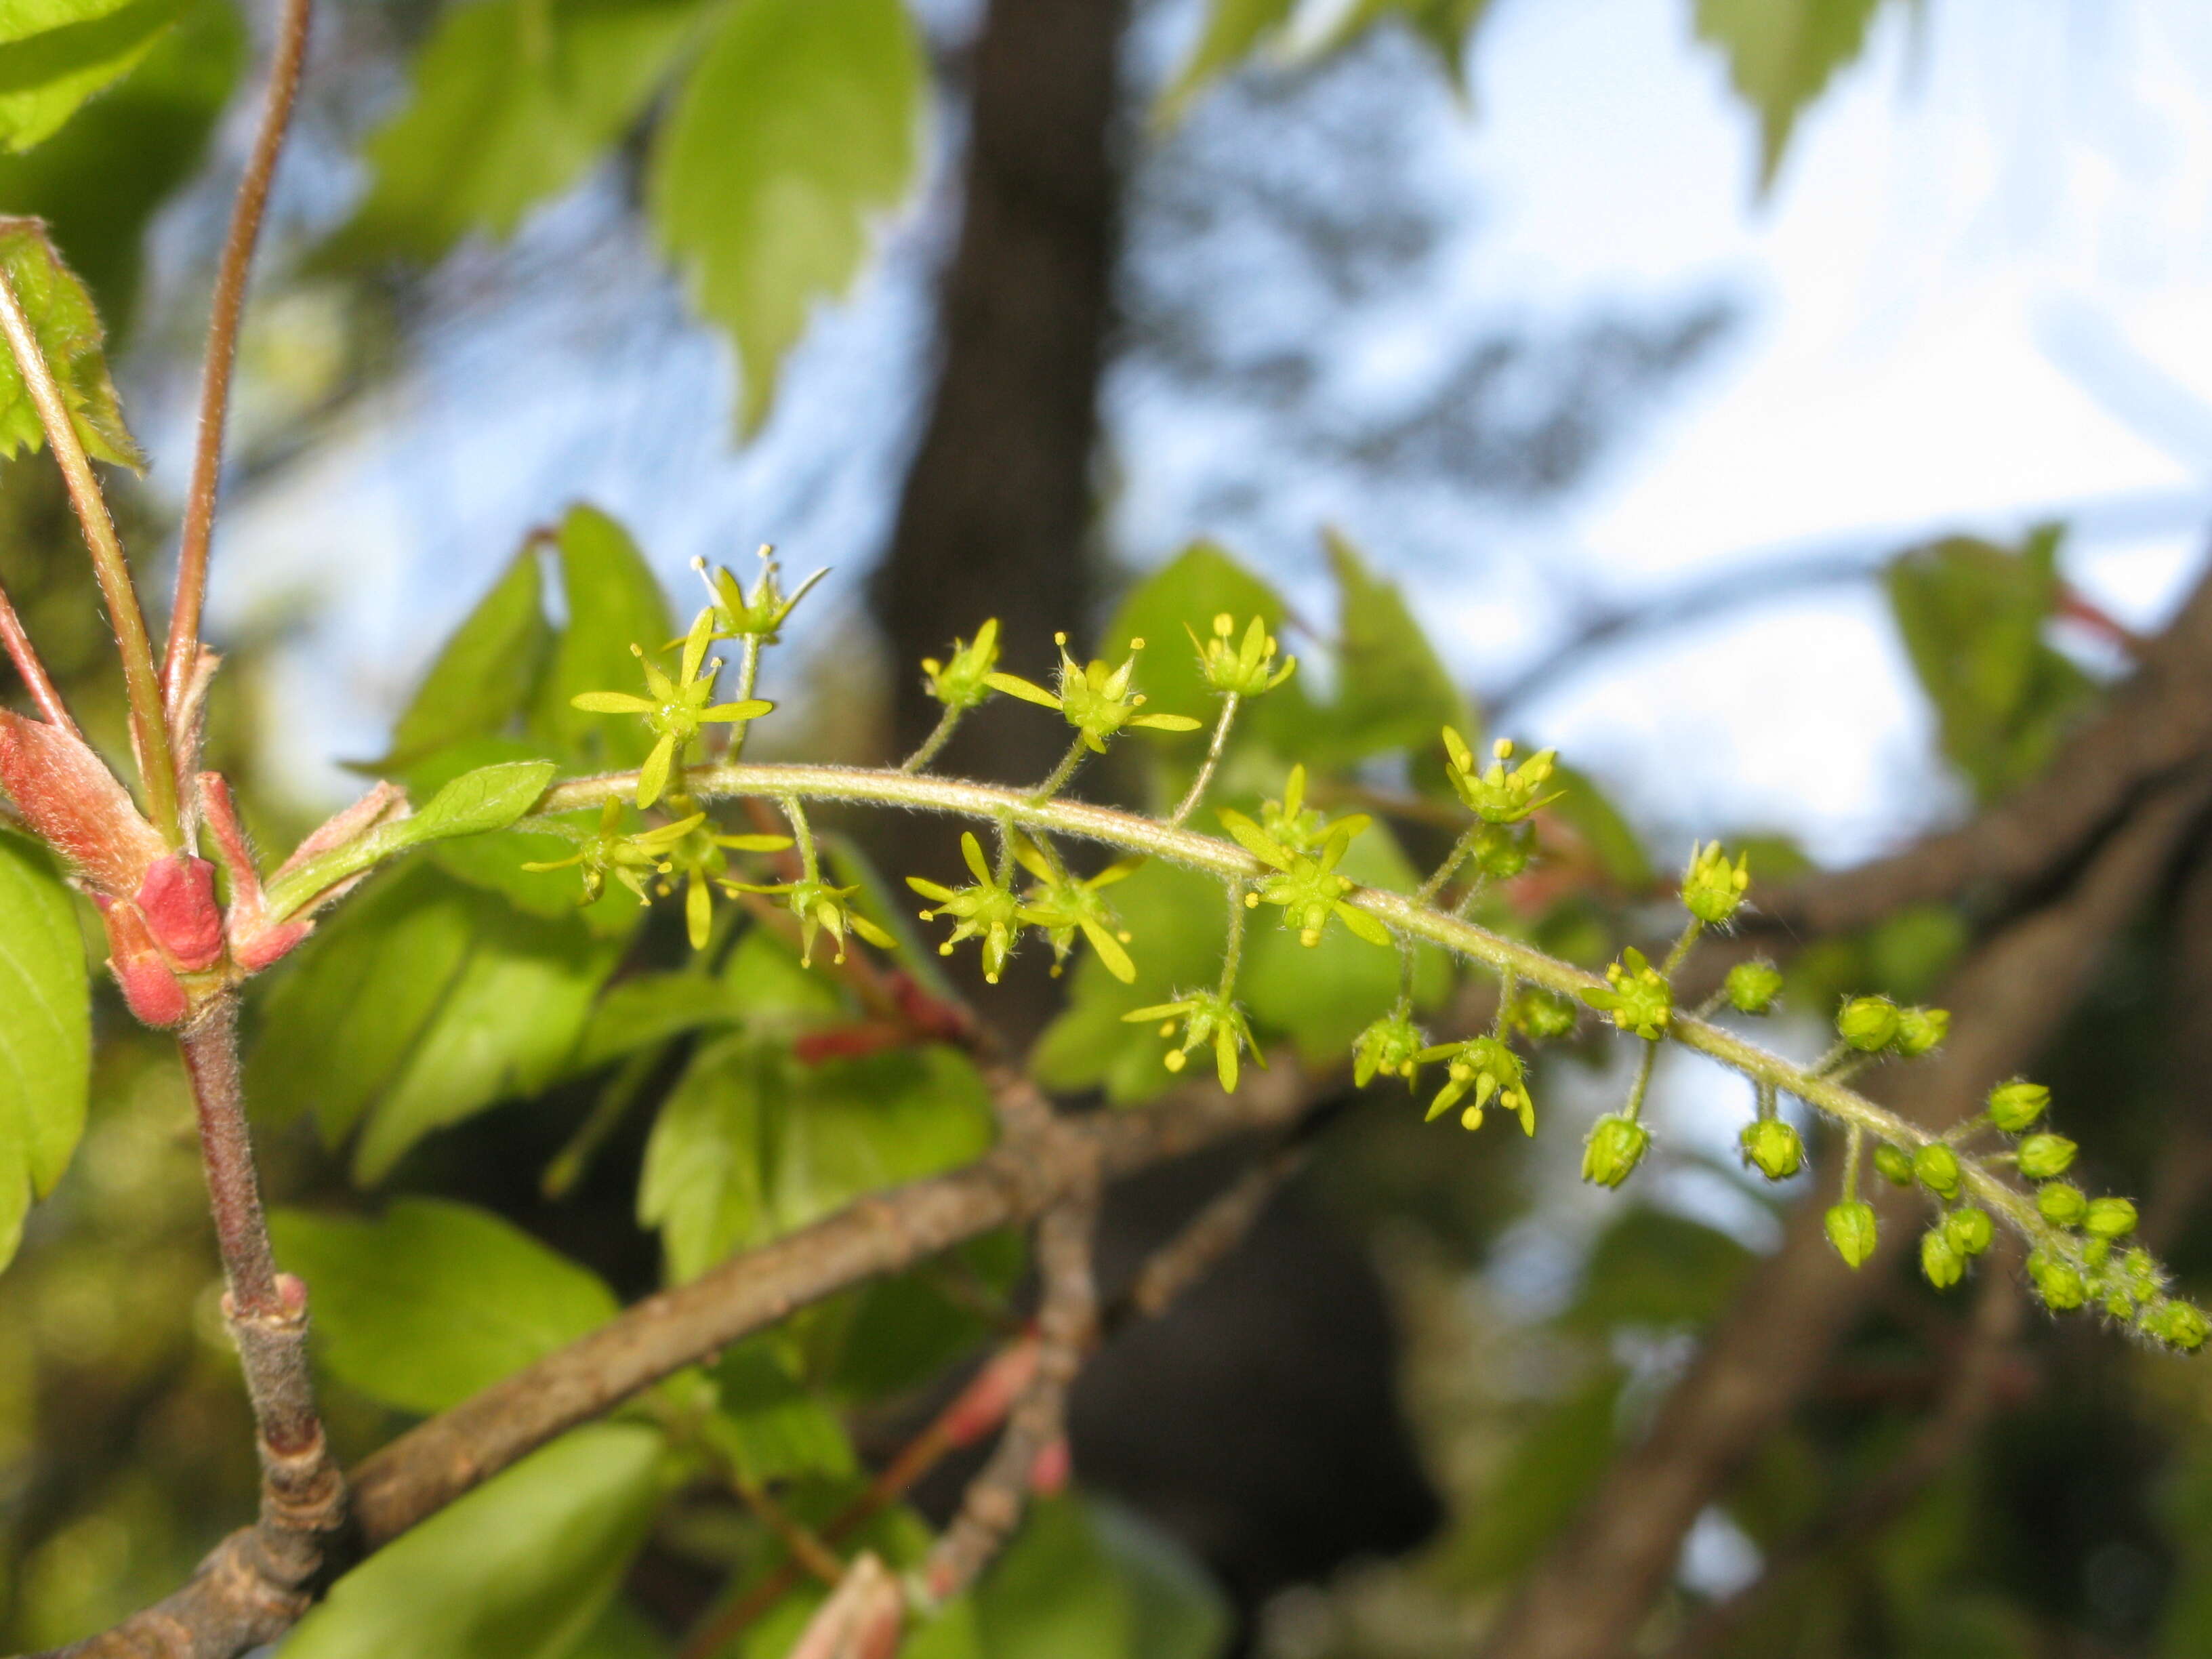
[1636,994]
[1490,1067]
[1247,669]
[820,908]
[1061,906]
[676,709]
[758,615]
[1391,1047]
[1096,700]
[1497,796]
[1712,887]
[963,680]
[1205,1017]
[986,910]
[608,851]
[1306,885]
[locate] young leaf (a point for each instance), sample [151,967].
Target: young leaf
[490,797]
[1442,26]
[47,76]
[397,948]
[99,181]
[505,1027]
[1781,55]
[1233,28]
[512,102]
[21,18]
[435,1301]
[771,1425]
[483,676]
[69,334]
[1393,692]
[800,121]
[752,1144]
[518,1568]
[614,602]
[46,1034]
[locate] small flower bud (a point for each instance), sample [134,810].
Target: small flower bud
[1541,1017]
[1919,1029]
[2041,1156]
[1773,1148]
[1615,1146]
[1893,1164]
[2058,1283]
[1941,1263]
[1753,986]
[1867,1024]
[2062,1203]
[1711,886]
[2015,1105]
[2176,1324]
[1850,1228]
[1969,1229]
[1389,1048]
[2110,1217]
[1937,1167]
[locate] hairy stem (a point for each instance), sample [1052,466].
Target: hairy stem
[940,734]
[25,656]
[231,276]
[150,727]
[1197,790]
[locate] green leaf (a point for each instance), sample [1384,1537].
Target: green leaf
[1233,28]
[1612,841]
[1445,27]
[98,182]
[69,334]
[490,797]
[1972,615]
[494,861]
[799,122]
[1393,692]
[21,18]
[436,1301]
[519,1569]
[510,102]
[482,675]
[752,1144]
[648,1009]
[1178,1611]
[1653,1268]
[769,1424]
[46,1032]
[44,77]
[505,1027]
[1781,55]
[613,601]
[1052,1592]
[396,949]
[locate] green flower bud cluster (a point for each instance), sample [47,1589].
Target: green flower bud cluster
[1773,1148]
[1875,1025]
[1247,669]
[1753,986]
[1615,1146]
[1712,887]
[1497,796]
[1636,994]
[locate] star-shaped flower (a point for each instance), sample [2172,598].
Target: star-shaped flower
[676,709]
[1205,1017]
[1096,700]
[1306,884]
[987,910]
[1062,906]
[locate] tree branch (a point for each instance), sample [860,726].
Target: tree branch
[230,285]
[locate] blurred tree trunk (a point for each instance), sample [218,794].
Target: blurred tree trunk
[994,519]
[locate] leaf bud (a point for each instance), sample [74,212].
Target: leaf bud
[2058,1283]
[1969,1229]
[2015,1105]
[2110,1217]
[2044,1156]
[1893,1164]
[1711,886]
[1867,1024]
[1615,1146]
[1939,1261]
[1919,1029]
[1753,986]
[2062,1203]
[1850,1228]
[1773,1148]
[1937,1167]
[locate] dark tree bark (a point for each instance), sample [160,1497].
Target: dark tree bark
[994,521]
